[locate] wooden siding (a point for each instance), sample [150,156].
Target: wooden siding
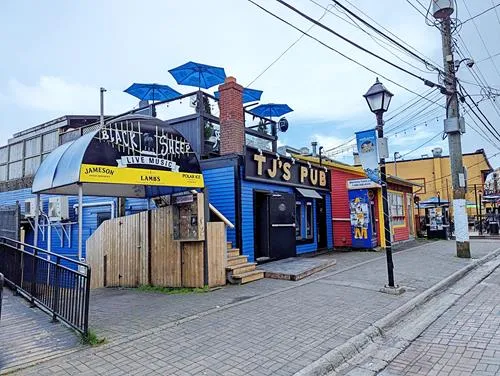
[120,255]
[217,255]
[340,208]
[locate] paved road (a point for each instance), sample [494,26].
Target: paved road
[278,332]
[464,341]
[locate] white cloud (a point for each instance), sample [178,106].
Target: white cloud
[54,94]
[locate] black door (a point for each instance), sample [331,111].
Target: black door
[282,230]
[261,225]
[321,223]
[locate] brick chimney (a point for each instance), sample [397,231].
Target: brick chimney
[232,119]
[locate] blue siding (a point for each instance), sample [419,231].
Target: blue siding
[329,221]
[220,184]
[247,212]
[89,219]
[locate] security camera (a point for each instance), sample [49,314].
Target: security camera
[469,62]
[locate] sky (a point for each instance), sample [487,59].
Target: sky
[58,54]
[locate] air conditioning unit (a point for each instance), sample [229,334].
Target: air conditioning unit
[29,207]
[58,208]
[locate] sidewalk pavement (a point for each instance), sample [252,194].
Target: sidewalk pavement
[464,341]
[270,327]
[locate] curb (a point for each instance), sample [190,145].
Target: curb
[336,357]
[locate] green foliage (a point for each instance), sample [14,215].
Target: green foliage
[92,339]
[172,290]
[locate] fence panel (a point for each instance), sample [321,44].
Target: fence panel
[56,283]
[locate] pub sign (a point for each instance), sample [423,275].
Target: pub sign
[268,167]
[143,152]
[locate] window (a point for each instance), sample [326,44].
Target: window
[4,152]
[16,170]
[298,220]
[16,152]
[309,220]
[31,165]
[396,208]
[32,147]
[3,172]
[50,141]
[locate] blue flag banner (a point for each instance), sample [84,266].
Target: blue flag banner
[368,155]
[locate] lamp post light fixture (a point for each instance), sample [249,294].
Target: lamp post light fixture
[379,99]
[396,157]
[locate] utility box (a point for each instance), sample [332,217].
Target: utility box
[58,208]
[454,124]
[29,207]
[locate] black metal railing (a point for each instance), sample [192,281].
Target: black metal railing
[1,293]
[55,283]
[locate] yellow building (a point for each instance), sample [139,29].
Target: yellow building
[433,173]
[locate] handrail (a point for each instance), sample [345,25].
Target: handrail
[41,250]
[60,290]
[221,216]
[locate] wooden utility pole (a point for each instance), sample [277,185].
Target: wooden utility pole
[452,128]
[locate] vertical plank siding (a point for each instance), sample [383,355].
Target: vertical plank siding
[139,249]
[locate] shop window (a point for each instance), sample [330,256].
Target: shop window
[396,208]
[309,220]
[298,220]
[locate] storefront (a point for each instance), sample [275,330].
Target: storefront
[357,207]
[281,206]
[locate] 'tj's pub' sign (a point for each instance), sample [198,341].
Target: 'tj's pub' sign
[140,152]
[268,167]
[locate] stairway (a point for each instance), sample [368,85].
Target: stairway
[238,269]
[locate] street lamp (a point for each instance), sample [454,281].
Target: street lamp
[396,157]
[378,99]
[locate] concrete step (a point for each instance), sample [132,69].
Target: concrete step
[233,252]
[229,245]
[243,268]
[236,260]
[248,276]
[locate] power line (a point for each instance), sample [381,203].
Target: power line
[426,63]
[335,50]
[286,50]
[390,32]
[382,43]
[482,40]
[422,145]
[345,39]
[483,12]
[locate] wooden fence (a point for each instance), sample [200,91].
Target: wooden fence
[139,249]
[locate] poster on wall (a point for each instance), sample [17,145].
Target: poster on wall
[360,217]
[368,155]
[143,152]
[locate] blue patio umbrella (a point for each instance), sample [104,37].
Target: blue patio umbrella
[152,92]
[198,75]
[249,95]
[271,110]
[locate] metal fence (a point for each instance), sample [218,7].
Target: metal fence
[1,294]
[9,221]
[55,283]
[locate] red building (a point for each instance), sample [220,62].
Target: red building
[346,178]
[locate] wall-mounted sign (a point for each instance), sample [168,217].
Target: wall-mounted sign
[268,167]
[143,152]
[361,184]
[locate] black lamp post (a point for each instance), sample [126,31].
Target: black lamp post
[378,99]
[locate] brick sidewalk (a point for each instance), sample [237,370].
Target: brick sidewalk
[464,341]
[277,333]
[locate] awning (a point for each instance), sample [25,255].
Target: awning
[133,156]
[309,193]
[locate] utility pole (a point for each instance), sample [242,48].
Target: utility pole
[453,129]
